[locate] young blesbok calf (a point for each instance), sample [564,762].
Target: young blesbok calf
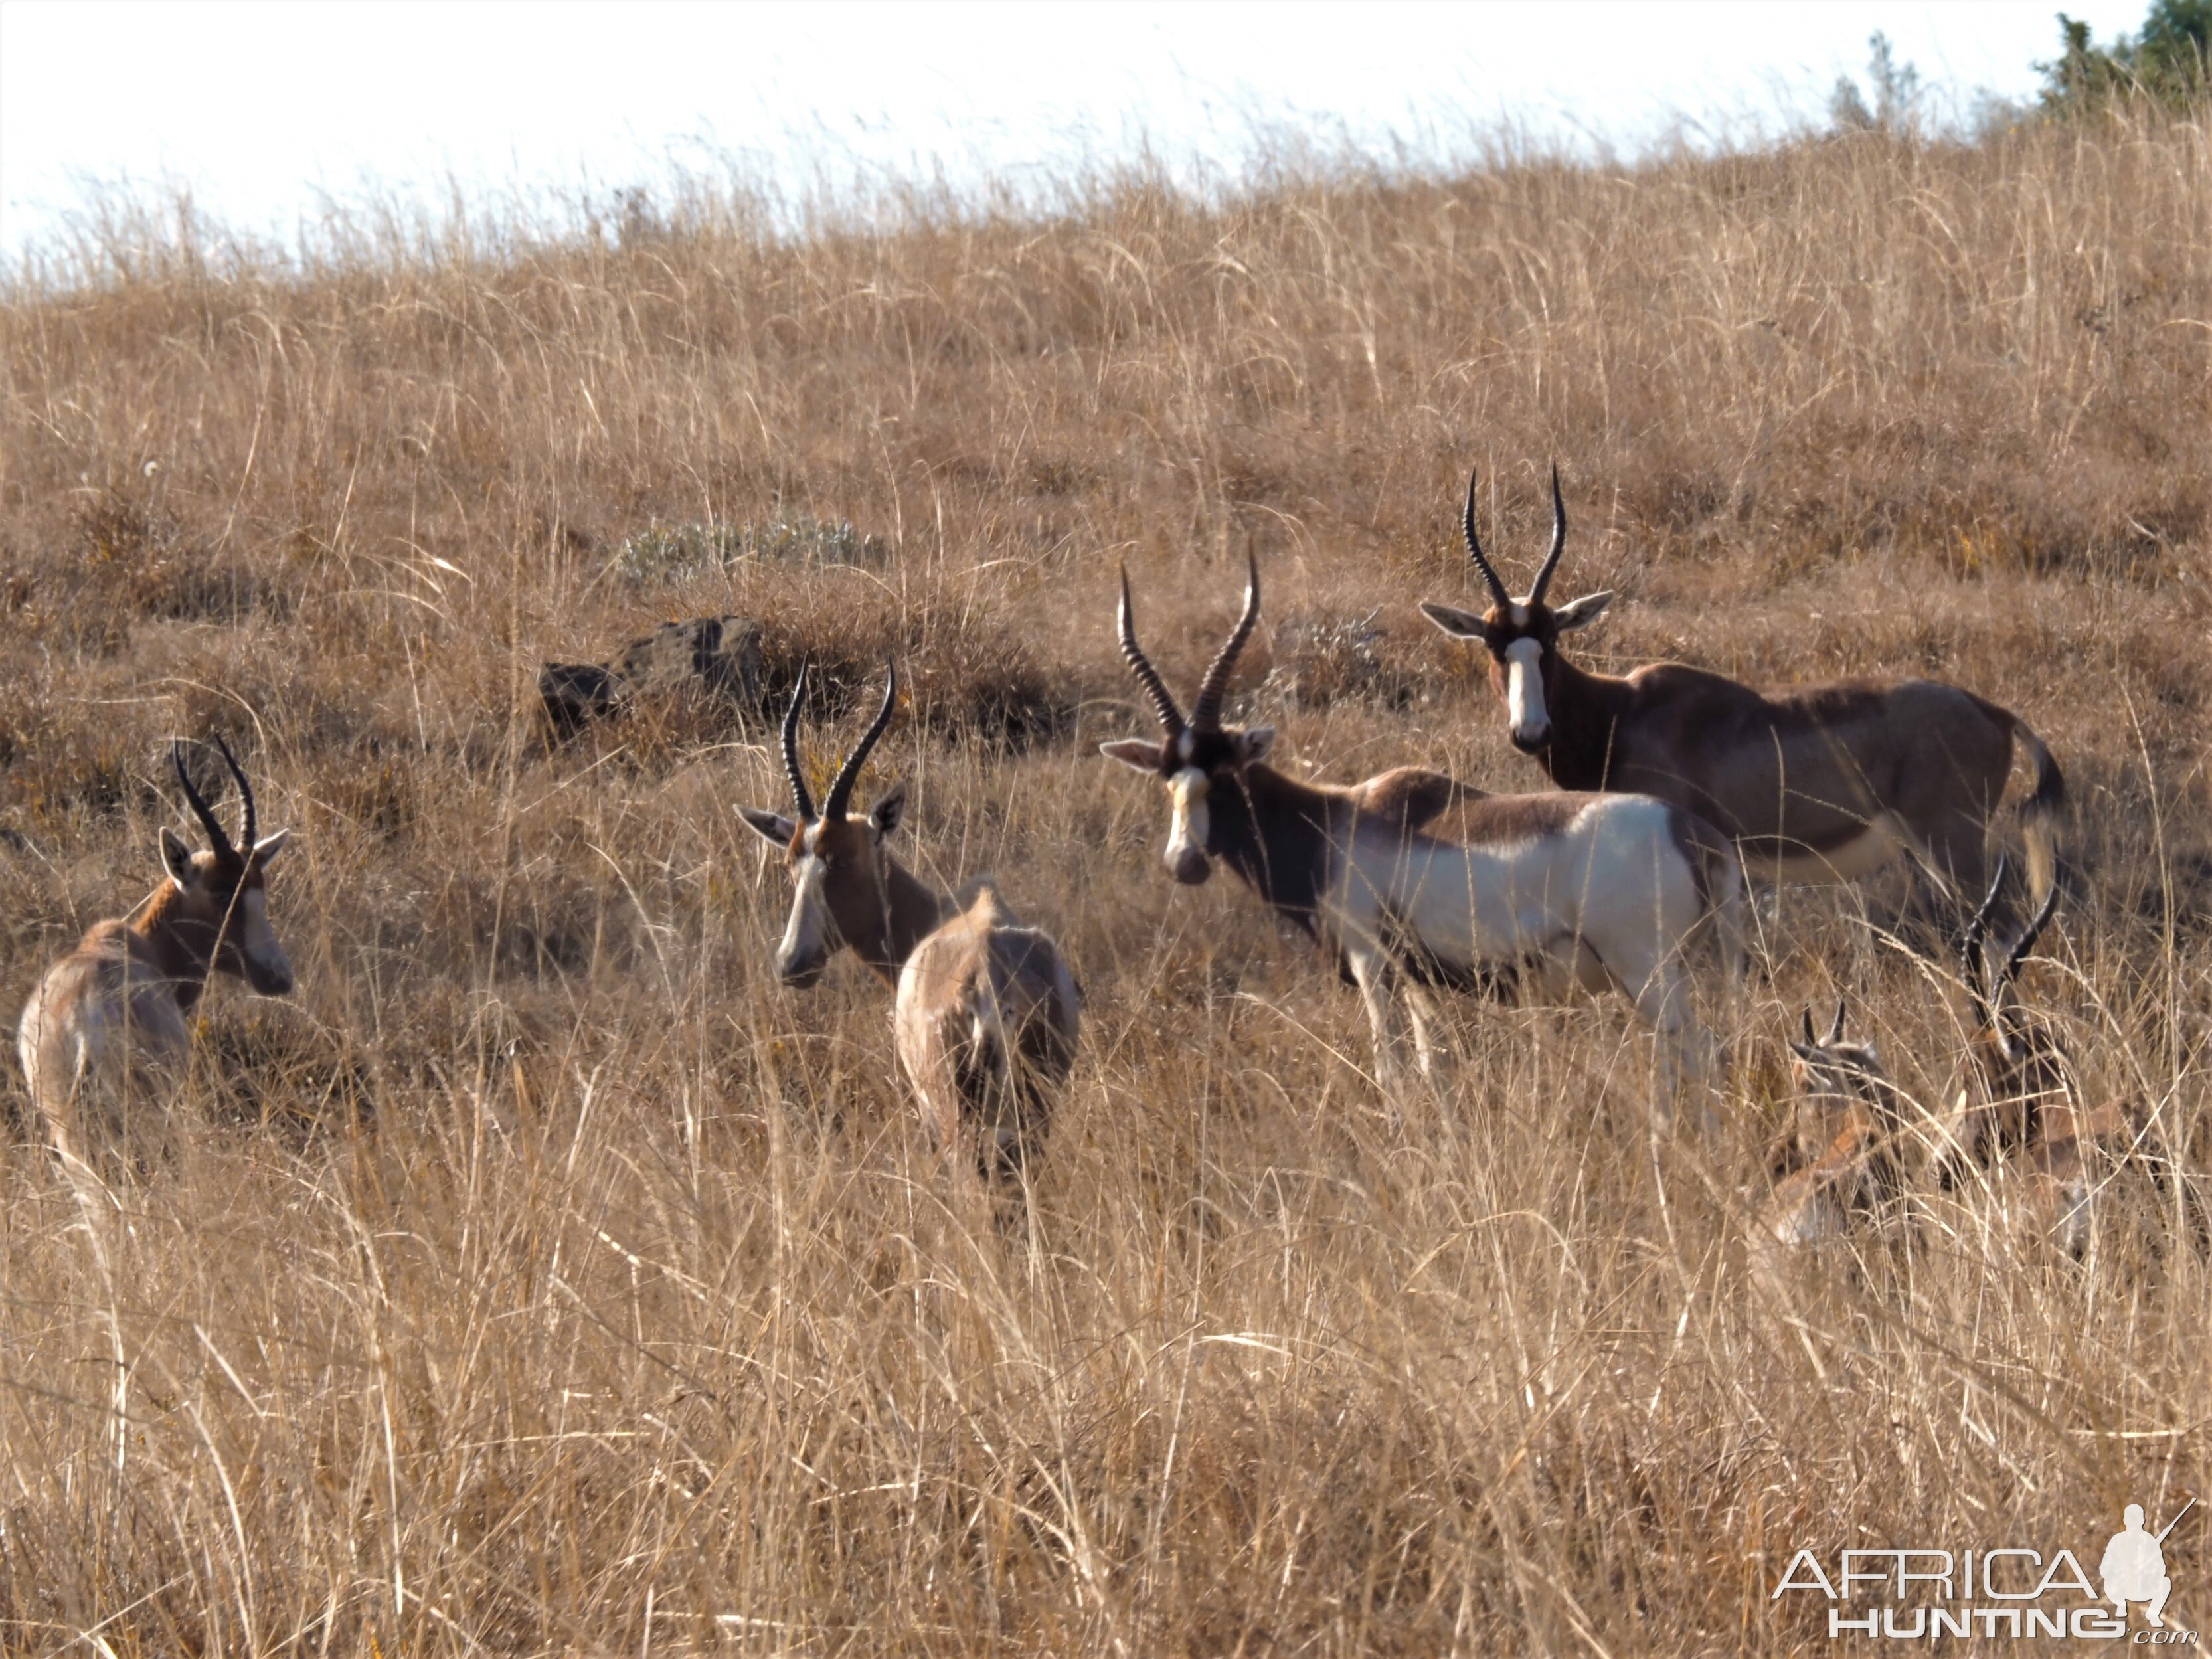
[987,1014]
[1841,1158]
[1595,890]
[101,1035]
[1812,783]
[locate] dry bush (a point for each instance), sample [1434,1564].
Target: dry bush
[542,1279]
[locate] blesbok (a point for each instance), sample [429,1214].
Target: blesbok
[1811,783]
[987,1015]
[1841,1159]
[101,1034]
[2022,1098]
[1595,890]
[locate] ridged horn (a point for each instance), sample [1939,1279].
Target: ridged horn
[1978,988]
[1206,710]
[245,796]
[2025,943]
[841,789]
[1474,547]
[1836,1032]
[1164,702]
[218,837]
[800,799]
[1558,541]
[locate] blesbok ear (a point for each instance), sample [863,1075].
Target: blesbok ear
[176,856]
[266,849]
[769,826]
[1582,613]
[890,807]
[1460,625]
[1139,754]
[1254,745]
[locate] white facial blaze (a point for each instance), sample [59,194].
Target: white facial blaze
[259,938]
[810,901]
[1524,689]
[1187,836]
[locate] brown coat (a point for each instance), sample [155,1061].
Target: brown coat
[986,1023]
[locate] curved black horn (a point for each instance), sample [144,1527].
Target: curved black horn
[1836,1032]
[841,789]
[804,801]
[1970,944]
[1164,702]
[1558,541]
[218,837]
[245,796]
[1206,710]
[2025,943]
[1474,549]
[1811,1040]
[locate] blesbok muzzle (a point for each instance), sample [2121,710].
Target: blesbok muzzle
[1186,857]
[810,936]
[1530,727]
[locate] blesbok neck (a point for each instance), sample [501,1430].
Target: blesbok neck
[1274,834]
[182,946]
[1584,709]
[912,910]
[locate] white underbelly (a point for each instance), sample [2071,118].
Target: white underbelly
[1883,839]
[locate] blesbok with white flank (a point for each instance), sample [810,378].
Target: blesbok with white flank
[1841,1158]
[101,1036]
[1592,890]
[987,1015]
[1824,782]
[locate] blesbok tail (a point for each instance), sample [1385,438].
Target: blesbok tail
[2038,814]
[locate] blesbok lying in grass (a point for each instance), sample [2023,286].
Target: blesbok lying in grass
[2023,1098]
[101,1036]
[987,1015]
[1595,890]
[1842,1157]
[1811,783]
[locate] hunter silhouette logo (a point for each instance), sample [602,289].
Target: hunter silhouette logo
[2134,1567]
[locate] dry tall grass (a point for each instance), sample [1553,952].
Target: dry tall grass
[541,1277]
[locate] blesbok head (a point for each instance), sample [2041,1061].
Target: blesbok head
[1522,636]
[1200,760]
[222,892]
[1827,1069]
[841,890]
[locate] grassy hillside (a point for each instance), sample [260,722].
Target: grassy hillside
[541,1277]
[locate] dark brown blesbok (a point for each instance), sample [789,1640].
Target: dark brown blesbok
[1824,782]
[986,1016]
[101,1036]
[1599,891]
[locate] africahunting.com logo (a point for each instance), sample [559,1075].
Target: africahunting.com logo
[1920,1595]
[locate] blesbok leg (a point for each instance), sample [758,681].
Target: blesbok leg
[1687,1060]
[1377,977]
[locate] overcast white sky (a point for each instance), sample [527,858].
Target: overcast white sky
[257,108]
